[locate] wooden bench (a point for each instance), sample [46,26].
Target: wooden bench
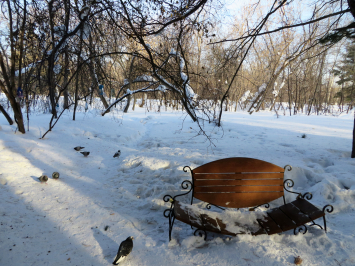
[243,183]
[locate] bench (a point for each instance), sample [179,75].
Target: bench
[243,183]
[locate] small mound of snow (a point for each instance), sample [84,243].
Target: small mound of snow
[88,134]
[193,242]
[173,243]
[3,181]
[147,162]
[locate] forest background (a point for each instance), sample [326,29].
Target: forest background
[286,56]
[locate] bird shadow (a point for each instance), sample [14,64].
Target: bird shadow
[36,178]
[108,246]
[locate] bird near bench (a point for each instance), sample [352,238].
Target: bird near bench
[124,250]
[85,153]
[117,154]
[43,178]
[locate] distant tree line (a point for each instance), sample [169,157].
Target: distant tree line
[178,52]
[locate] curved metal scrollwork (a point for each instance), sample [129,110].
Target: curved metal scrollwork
[185,170]
[185,184]
[267,206]
[289,183]
[316,225]
[208,206]
[167,213]
[299,229]
[167,198]
[329,208]
[200,233]
[289,167]
[306,195]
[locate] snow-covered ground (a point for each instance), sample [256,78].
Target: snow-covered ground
[63,222]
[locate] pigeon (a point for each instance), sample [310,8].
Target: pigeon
[43,178]
[124,250]
[78,148]
[117,154]
[85,153]
[55,175]
[298,260]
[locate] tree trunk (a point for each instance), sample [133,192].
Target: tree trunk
[127,104]
[130,83]
[66,75]
[353,149]
[134,102]
[16,107]
[8,118]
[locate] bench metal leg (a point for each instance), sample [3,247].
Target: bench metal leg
[329,208]
[169,213]
[317,224]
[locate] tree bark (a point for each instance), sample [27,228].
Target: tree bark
[353,148]
[8,118]
[130,83]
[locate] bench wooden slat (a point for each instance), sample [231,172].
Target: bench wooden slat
[181,214]
[308,208]
[269,226]
[260,182]
[281,219]
[232,165]
[223,189]
[214,225]
[295,214]
[242,176]
[204,222]
[238,200]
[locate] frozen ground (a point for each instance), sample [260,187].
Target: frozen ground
[62,222]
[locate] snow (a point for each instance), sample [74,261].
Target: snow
[59,31]
[161,88]
[84,12]
[262,87]
[145,78]
[62,222]
[245,96]
[57,69]
[172,51]
[246,219]
[25,69]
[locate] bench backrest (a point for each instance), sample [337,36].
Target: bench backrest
[238,182]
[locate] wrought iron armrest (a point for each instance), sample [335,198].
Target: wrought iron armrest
[169,213]
[288,183]
[184,185]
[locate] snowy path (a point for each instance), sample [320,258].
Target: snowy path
[63,221]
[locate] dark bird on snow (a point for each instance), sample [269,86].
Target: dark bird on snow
[85,153]
[124,250]
[78,148]
[55,175]
[43,178]
[117,154]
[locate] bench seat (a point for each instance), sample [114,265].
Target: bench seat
[289,216]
